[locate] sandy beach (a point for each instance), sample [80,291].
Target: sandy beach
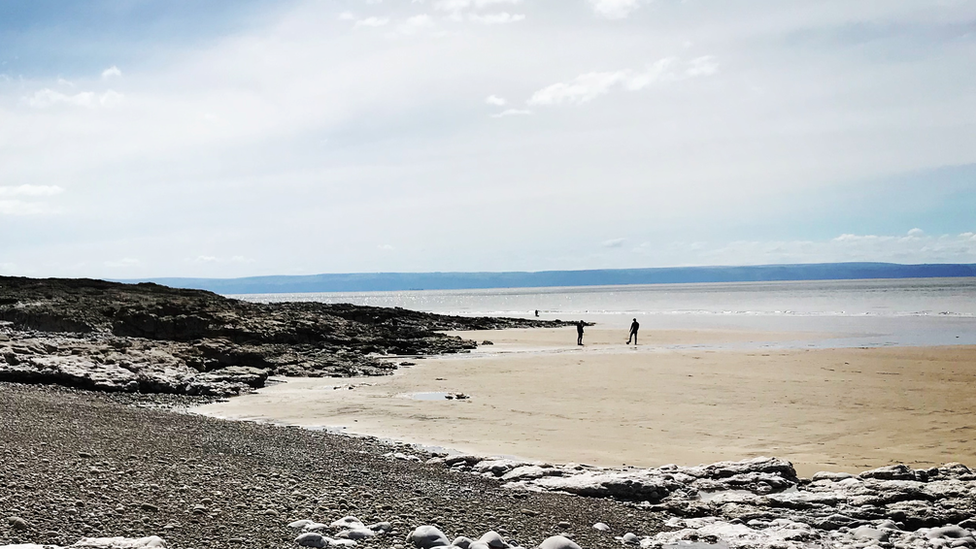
[682,396]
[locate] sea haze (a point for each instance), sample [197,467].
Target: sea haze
[355,282]
[878,312]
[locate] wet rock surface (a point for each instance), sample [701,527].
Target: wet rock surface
[148,338]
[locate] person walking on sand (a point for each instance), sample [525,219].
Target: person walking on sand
[579,332]
[634,326]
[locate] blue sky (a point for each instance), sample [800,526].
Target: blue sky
[176,138]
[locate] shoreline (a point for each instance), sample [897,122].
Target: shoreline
[531,397]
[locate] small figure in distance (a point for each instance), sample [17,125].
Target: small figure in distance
[537,313]
[579,332]
[634,326]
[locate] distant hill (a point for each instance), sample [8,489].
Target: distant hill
[366,282]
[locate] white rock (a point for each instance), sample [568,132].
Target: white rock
[558,542]
[357,533]
[300,523]
[427,536]
[347,523]
[313,539]
[494,540]
[601,526]
[380,527]
[120,543]
[462,542]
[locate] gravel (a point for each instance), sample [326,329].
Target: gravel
[75,463]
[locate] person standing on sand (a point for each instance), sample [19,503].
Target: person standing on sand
[634,326]
[579,332]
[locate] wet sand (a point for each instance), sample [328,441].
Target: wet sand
[685,397]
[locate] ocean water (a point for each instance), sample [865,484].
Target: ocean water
[931,311]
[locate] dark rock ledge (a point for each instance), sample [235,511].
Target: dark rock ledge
[109,336]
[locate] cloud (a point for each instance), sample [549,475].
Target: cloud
[30,190]
[702,66]
[458,5]
[589,86]
[347,16]
[614,9]
[47,97]
[916,232]
[613,243]
[372,22]
[212,259]
[125,262]
[386,247]
[512,112]
[111,72]
[23,208]
[496,18]
[495,100]
[414,24]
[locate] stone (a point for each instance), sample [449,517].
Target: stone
[17,523]
[348,522]
[299,524]
[558,542]
[603,527]
[119,543]
[461,542]
[890,472]
[426,537]
[494,540]
[313,539]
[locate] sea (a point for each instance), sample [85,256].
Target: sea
[851,313]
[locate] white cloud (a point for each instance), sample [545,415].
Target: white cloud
[916,232]
[495,100]
[512,112]
[30,190]
[111,72]
[581,89]
[125,262]
[613,243]
[496,18]
[22,208]
[48,97]
[385,247]
[614,9]
[589,86]
[702,66]
[347,16]
[212,259]
[458,5]
[372,22]
[415,23]
[67,83]
[110,98]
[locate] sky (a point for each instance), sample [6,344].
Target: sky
[152,138]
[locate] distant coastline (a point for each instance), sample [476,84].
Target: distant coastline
[379,282]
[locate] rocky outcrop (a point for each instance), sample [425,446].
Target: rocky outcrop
[145,337]
[762,503]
